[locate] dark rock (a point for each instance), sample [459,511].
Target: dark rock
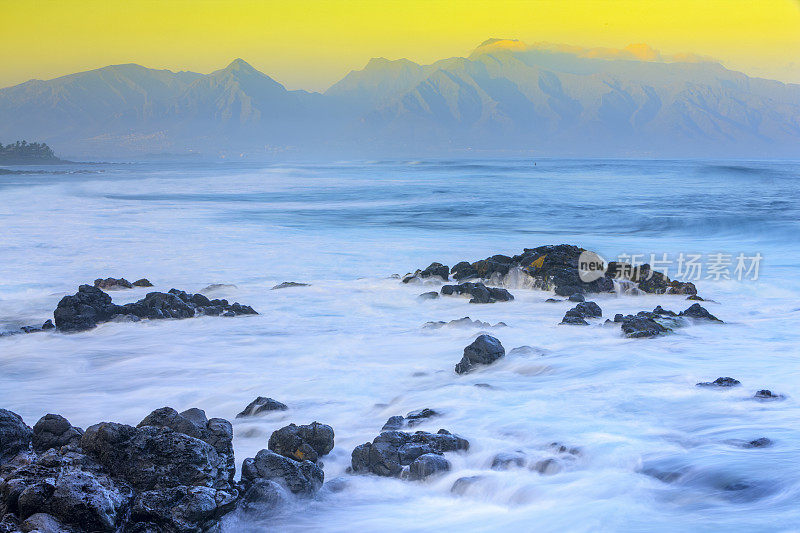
[720,382]
[417,417]
[427,465]
[637,327]
[552,301]
[182,509]
[436,269]
[699,312]
[287,284]
[481,294]
[85,309]
[263,497]
[308,442]
[463,270]
[432,295]
[144,282]
[218,286]
[506,461]
[583,310]
[15,435]
[48,324]
[462,484]
[483,351]
[261,405]
[54,431]
[762,442]
[112,283]
[577,297]
[574,321]
[768,395]
[394,423]
[465,322]
[695,297]
[299,477]
[42,523]
[391,451]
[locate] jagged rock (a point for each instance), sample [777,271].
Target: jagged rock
[574,321]
[463,270]
[308,442]
[182,509]
[720,382]
[261,405]
[144,282]
[391,451]
[699,312]
[637,327]
[768,395]
[434,270]
[54,431]
[299,477]
[112,283]
[427,465]
[90,306]
[15,435]
[481,294]
[287,284]
[483,351]
[583,310]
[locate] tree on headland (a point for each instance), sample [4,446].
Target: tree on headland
[25,152]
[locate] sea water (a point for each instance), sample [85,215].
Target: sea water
[653,451]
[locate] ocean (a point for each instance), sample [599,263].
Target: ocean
[652,451]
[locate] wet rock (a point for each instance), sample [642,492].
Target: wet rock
[506,461]
[577,297]
[721,382]
[699,312]
[552,300]
[463,270]
[85,309]
[768,395]
[426,465]
[637,327]
[113,284]
[42,523]
[15,435]
[262,405]
[762,442]
[578,314]
[308,442]
[465,322]
[394,423]
[391,451]
[412,419]
[299,477]
[432,295]
[695,297]
[48,324]
[462,484]
[434,270]
[54,431]
[182,509]
[480,293]
[263,497]
[483,351]
[574,321]
[548,467]
[287,284]
[144,282]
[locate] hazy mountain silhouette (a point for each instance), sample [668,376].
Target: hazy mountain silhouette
[506,96]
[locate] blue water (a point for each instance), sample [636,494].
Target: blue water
[349,350]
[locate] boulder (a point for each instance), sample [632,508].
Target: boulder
[15,435]
[577,297]
[261,405]
[182,509]
[480,293]
[427,465]
[391,452]
[299,477]
[112,284]
[308,442]
[483,351]
[721,382]
[432,295]
[506,461]
[54,431]
[768,395]
[85,309]
[698,312]
[263,497]
[144,282]
[637,327]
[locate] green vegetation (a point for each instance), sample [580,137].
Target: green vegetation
[23,152]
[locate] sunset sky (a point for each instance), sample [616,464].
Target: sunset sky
[310,44]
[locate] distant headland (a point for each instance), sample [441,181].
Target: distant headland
[25,153]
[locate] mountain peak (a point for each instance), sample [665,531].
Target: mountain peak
[240,65]
[497,45]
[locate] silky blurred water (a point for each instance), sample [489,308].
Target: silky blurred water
[349,350]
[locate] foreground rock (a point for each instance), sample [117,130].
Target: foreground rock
[262,405]
[308,442]
[91,306]
[480,293]
[411,455]
[173,473]
[578,314]
[484,350]
[555,267]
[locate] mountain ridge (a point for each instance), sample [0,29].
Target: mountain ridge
[504,96]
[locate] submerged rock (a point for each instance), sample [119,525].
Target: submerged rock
[299,477]
[768,395]
[432,295]
[427,465]
[91,306]
[287,284]
[721,382]
[392,452]
[411,419]
[261,405]
[465,322]
[484,350]
[637,327]
[480,293]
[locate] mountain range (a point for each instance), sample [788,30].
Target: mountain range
[506,97]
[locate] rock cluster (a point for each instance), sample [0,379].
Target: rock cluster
[411,455]
[578,314]
[553,267]
[121,283]
[410,420]
[660,321]
[91,306]
[465,322]
[480,293]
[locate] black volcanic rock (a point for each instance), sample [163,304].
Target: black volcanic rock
[484,350]
[307,442]
[15,435]
[261,405]
[299,477]
[54,431]
[721,382]
[113,283]
[698,312]
[481,294]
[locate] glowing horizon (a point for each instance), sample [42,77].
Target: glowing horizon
[311,44]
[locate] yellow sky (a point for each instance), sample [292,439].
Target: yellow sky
[312,43]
